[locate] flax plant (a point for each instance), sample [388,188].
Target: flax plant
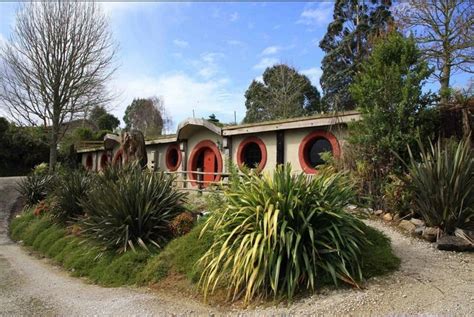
[282,233]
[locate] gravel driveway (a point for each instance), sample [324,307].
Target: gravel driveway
[429,282]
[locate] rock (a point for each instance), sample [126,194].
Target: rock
[407,226]
[419,230]
[378,212]
[417,222]
[396,218]
[387,217]
[351,207]
[430,234]
[453,243]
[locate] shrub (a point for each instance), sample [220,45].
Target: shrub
[282,233]
[71,187]
[179,256]
[134,210]
[443,184]
[35,187]
[397,196]
[182,224]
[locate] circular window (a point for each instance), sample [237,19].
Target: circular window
[89,162]
[252,153]
[312,147]
[173,157]
[104,161]
[206,158]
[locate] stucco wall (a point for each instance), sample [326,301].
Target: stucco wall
[268,138]
[294,138]
[292,141]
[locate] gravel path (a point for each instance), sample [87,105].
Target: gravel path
[429,282]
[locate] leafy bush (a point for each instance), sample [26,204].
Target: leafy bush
[282,233]
[182,224]
[71,187]
[443,184]
[134,210]
[388,92]
[179,256]
[35,187]
[397,196]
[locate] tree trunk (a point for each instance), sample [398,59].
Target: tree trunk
[53,148]
[444,82]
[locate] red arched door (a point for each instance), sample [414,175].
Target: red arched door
[207,158]
[209,165]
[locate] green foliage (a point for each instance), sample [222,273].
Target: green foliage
[397,197]
[124,269]
[443,184]
[284,93]
[83,257]
[35,187]
[21,148]
[102,119]
[283,233]
[347,43]
[179,256]
[135,210]
[71,187]
[388,93]
[76,254]
[377,258]
[145,115]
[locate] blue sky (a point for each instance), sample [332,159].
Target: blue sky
[203,56]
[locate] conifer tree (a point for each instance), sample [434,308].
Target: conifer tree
[347,43]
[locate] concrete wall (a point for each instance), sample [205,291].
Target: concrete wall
[269,138]
[292,141]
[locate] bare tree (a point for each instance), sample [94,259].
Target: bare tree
[444,29]
[148,115]
[56,64]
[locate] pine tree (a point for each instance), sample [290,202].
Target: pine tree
[347,43]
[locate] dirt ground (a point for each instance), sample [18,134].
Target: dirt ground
[430,282]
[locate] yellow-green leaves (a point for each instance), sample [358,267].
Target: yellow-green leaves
[280,233]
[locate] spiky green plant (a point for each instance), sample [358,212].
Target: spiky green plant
[71,187]
[281,233]
[442,181]
[133,210]
[35,187]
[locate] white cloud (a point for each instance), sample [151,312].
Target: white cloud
[183,93]
[271,50]
[235,42]
[266,62]
[180,43]
[207,65]
[3,40]
[314,74]
[234,17]
[317,16]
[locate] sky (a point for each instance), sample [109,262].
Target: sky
[202,57]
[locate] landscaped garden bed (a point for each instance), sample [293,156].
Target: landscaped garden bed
[279,236]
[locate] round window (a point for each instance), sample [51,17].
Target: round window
[313,146]
[252,153]
[104,161]
[314,151]
[173,157]
[89,162]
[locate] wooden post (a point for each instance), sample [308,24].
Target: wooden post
[199,178]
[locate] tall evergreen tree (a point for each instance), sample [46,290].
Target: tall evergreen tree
[347,43]
[284,93]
